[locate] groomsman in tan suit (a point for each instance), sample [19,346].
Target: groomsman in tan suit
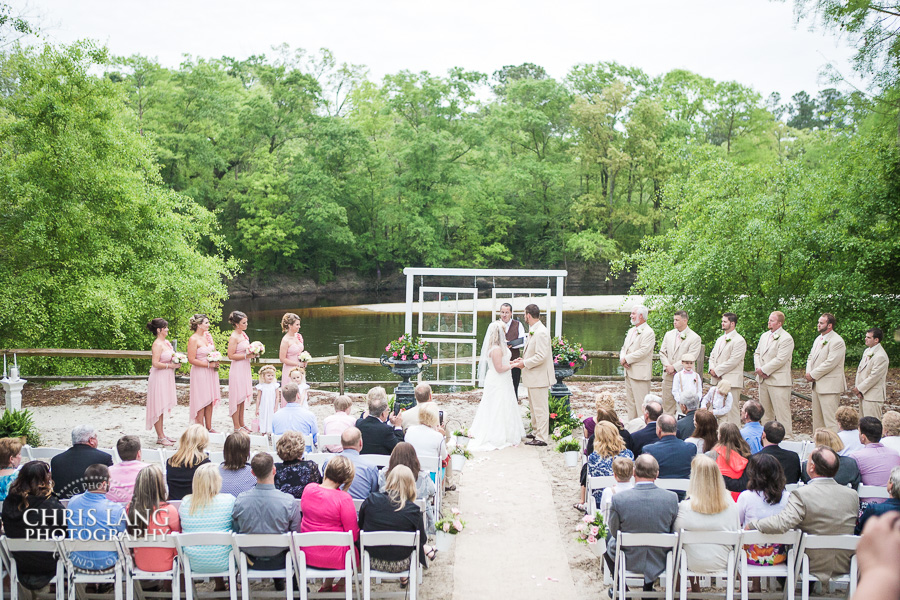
[676,343]
[825,370]
[726,362]
[871,376]
[772,361]
[636,356]
[537,374]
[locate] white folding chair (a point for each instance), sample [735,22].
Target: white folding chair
[319,458]
[432,464]
[185,541]
[216,457]
[873,491]
[790,540]
[133,574]
[332,439]
[673,485]
[13,545]
[791,487]
[731,539]
[4,566]
[404,539]
[341,539]
[242,542]
[798,447]
[154,456]
[259,441]
[44,454]
[594,484]
[825,543]
[378,460]
[217,438]
[665,541]
[76,576]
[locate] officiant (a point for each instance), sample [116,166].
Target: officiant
[515,339]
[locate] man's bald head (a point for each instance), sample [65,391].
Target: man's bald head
[666,425]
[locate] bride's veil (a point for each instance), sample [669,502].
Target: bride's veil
[485,348]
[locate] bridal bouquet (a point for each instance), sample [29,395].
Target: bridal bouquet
[256,348]
[452,524]
[566,353]
[304,356]
[214,356]
[591,529]
[407,348]
[179,358]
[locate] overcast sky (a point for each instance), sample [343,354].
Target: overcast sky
[756,42]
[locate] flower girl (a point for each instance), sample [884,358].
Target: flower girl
[268,399]
[298,376]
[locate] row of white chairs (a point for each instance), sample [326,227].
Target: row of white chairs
[795,569]
[125,573]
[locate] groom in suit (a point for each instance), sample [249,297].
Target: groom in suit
[537,374]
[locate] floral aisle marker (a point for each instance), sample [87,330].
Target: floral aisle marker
[592,532]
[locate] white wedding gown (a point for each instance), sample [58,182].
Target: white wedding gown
[497,423]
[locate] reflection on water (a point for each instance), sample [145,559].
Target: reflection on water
[366,333]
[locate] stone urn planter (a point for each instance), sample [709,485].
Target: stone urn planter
[405,369]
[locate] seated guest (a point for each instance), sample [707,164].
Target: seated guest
[848,429]
[673,456]
[336,424]
[623,471]
[848,470]
[890,423]
[875,461]
[90,516]
[328,507]
[765,496]
[10,458]
[706,431]
[237,477]
[191,453]
[719,400]
[602,400]
[293,474]
[639,423]
[891,504]
[264,509]
[395,509]
[32,493]
[366,474]
[67,468]
[207,510]
[123,474]
[608,445]
[410,416]
[708,507]
[643,509]
[752,429]
[405,454]
[731,454]
[428,437]
[821,507]
[773,434]
[647,435]
[380,429]
[150,516]
[688,404]
[608,415]
[295,417]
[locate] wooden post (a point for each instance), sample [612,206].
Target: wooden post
[340,368]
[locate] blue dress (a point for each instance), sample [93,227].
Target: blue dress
[214,518]
[599,466]
[5,482]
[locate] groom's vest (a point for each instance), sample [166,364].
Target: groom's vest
[514,333]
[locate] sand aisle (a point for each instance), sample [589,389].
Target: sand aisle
[512,544]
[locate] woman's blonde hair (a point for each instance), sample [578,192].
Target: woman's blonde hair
[724,387]
[707,487]
[890,422]
[291,446]
[191,446]
[341,471]
[428,415]
[287,320]
[826,437]
[604,399]
[607,441]
[400,486]
[149,495]
[496,338]
[9,449]
[206,485]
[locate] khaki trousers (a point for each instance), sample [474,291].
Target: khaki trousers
[871,409]
[635,391]
[668,402]
[824,408]
[540,413]
[734,415]
[776,401]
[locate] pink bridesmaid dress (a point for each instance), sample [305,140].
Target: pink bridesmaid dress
[161,397]
[204,384]
[240,379]
[293,353]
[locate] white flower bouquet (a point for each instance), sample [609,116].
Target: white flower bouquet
[256,348]
[179,358]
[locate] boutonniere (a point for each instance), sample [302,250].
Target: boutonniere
[530,333]
[871,354]
[638,331]
[728,339]
[683,335]
[824,342]
[776,336]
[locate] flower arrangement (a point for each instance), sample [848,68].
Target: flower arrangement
[561,415]
[568,446]
[566,353]
[461,451]
[179,358]
[304,356]
[462,432]
[214,356]
[407,347]
[561,432]
[256,348]
[591,529]
[452,524]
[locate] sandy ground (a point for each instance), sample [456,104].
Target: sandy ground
[609,304]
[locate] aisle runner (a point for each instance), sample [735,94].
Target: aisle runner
[511,546]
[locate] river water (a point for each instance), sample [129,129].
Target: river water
[365,333]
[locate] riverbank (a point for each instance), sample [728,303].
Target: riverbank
[604,304]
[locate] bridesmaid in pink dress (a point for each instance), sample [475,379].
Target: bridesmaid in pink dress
[291,346]
[205,392]
[240,378]
[161,397]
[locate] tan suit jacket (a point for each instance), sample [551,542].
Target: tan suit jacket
[638,352]
[826,364]
[773,356]
[538,357]
[669,355]
[821,507]
[727,359]
[871,376]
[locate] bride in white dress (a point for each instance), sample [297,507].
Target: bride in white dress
[497,423]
